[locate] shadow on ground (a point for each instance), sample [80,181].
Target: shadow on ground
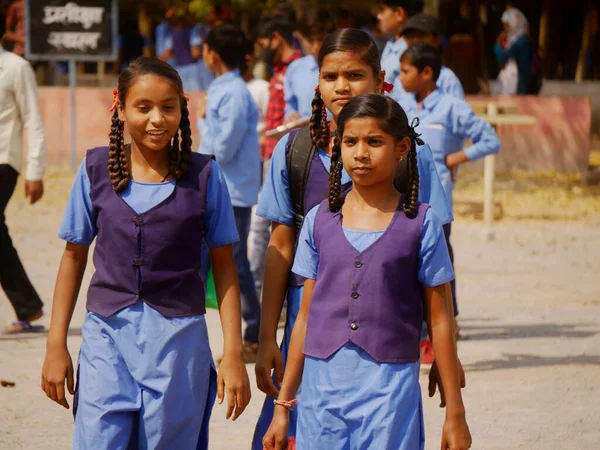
[513,361]
[549,330]
[29,336]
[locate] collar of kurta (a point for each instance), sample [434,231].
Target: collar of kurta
[282,65]
[227,76]
[432,100]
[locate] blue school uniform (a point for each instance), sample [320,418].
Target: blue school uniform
[161,37]
[205,76]
[299,85]
[229,133]
[390,58]
[275,204]
[445,123]
[349,400]
[447,82]
[139,379]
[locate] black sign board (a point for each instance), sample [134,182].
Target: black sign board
[84,30]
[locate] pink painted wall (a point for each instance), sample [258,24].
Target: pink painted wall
[559,141]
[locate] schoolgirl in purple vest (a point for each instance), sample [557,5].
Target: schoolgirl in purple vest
[349,65]
[146,376]
[373,260]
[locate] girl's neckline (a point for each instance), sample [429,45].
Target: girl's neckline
[153,184]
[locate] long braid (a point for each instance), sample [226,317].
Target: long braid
[117,160]
[410,206]
[335,177]
[186,141]
[319,128]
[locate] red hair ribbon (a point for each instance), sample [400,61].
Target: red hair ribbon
[187,99]
[115,100]
[387,87]
[317,88]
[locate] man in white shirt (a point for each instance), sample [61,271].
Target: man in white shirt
[19,108]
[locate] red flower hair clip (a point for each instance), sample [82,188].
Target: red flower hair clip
[115,100]
[387,87]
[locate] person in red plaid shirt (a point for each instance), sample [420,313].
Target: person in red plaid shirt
[277,41]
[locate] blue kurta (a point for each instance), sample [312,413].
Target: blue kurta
[138,378]
[390,58]
[445,123]
[349,400]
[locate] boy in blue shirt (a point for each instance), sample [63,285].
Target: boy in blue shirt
[425,28]
[445,121]
[303,74]
[227,125]
[392,18]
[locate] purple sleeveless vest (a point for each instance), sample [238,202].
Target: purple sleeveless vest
[154,256]
[371,298]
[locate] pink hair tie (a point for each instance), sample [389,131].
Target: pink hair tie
[187,99]
[289,405]
[387,87]
[115,100]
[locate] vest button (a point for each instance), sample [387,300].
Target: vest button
[355,295]
[353,326]
[136,219]
[137,262]
[358,264]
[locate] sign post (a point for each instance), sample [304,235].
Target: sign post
[65,30]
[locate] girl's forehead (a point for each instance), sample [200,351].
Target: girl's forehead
[343,61]
[362,126]
[151,87]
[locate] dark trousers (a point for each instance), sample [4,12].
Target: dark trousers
[13,278]
[447,230]
[249,297]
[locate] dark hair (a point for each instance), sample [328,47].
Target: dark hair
[318,24]
[344,40]
[423,54]
[179,155]
[411,7]
[287,11]
[393,121]
[2,27]
[230,43]
[277,24]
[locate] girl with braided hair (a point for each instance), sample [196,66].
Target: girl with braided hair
[349,65]
[374,261]
[150,205]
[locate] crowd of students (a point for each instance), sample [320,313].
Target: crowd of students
[351,231]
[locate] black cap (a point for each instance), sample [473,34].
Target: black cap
[425,23]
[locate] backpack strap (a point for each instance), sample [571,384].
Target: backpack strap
[299,153]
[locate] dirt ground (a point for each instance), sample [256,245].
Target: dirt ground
[529,305]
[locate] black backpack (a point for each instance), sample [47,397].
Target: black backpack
[299,153]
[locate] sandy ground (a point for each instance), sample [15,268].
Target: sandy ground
[529,303]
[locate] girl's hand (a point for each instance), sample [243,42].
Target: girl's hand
[57,367]
[269,358]
[233,378]
[456,434]
[276,436]
[435,381]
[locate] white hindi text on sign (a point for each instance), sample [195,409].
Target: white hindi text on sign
[73,13]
